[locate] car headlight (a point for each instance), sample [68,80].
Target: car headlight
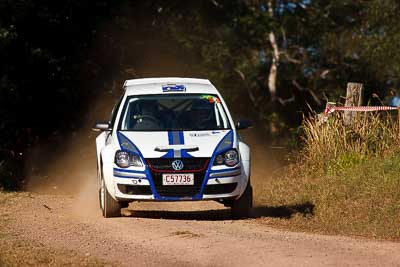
[125,159]
[229,158]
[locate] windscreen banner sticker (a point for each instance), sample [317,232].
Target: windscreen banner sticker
[174,88]
[211,99]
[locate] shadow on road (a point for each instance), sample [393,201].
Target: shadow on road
[198,215]
[305,209]
[285,212]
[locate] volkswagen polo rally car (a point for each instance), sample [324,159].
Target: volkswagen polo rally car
[172,139]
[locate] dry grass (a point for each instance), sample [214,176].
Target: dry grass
[350,175]
[371,134]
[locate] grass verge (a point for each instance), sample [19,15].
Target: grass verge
[346,180]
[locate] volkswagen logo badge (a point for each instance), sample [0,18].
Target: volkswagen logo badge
[177,165]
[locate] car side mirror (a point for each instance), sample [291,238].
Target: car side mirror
[243,124]
[101,126]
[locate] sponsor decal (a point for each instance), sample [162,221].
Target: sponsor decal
[211,99]
[173,88]
[199,134]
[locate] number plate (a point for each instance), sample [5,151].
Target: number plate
[178,179]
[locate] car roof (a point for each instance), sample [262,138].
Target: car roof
[147,86]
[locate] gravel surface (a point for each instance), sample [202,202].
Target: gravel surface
[179,234]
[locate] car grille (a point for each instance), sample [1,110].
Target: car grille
[197,166]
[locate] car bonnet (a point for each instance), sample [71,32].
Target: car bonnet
[176,144]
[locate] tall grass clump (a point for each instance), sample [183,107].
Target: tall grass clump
[349,173]
[330,141]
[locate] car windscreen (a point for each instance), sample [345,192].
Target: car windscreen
[173,112]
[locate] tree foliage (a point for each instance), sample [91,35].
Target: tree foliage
[322,46]
[47,71]
[43,46]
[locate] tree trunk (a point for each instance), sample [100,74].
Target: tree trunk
[273,71]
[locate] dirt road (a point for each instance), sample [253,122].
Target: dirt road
[179,234]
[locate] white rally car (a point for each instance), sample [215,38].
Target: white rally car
[172,139]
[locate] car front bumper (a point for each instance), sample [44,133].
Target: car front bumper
[217,184]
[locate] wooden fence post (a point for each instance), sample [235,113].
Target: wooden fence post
[354,97]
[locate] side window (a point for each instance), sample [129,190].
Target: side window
[115,111]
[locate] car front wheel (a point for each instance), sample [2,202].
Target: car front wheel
[241,207]
[109,206]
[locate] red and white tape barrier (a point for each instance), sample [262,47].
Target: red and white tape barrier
[330,109]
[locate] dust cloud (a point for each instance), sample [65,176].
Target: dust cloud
[66,164]
[267,160]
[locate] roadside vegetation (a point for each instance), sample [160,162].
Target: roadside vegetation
[345,179]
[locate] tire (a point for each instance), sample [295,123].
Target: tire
[109,206]
[241,207]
